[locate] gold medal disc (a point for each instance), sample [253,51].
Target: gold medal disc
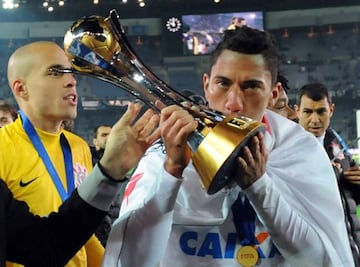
[247,256]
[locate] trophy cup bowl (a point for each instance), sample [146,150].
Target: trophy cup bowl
[97,46]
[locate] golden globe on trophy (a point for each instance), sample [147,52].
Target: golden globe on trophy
[98,47]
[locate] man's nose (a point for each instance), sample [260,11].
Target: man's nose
[314,117]
[234,102]
[70,80]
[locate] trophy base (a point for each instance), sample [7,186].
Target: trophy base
[215,158]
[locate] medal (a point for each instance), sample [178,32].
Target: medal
[247,256]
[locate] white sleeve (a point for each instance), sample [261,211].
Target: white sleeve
[142,230]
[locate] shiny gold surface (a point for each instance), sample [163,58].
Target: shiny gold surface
[95,33]
[215,155]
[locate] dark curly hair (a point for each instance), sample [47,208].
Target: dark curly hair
[284,82]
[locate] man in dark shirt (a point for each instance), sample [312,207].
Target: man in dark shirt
[314,110]
[101,134]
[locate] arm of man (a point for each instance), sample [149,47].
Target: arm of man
[145,218]
[148,216]
[94,249]
[52,241]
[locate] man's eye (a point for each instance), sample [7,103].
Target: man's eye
[54,72]
[222,84]
[251,85]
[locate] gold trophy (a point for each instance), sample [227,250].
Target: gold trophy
[98,47]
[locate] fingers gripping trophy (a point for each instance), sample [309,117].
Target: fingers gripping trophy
[98,47]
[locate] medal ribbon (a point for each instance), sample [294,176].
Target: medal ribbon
[244,220]
[38,145]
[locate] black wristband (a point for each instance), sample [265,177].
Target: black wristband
[107,175]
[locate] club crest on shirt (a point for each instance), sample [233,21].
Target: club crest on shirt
[80,172]
[338,152]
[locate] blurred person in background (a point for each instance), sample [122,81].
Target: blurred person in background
[68,125]
[314,110]
[101,134]
[237,22]
[8,114]
[282,104]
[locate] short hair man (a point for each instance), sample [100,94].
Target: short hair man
[101,134]
[56,160]
[274,214]
[7,114]
[282,104]
[53,240]
[314,110]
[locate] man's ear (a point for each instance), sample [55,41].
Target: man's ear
[206,82]
[94,141]
[19,88]
[275,93]
[296,108]
[332,109]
